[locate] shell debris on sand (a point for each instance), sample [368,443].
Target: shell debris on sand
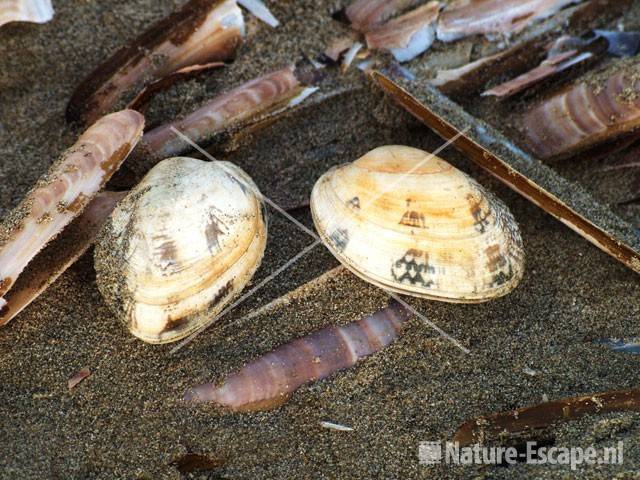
[272,92]
[180,246]
[583,116]
[268,381]
[462,18]
[62,194]
[202,31]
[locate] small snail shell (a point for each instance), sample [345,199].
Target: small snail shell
[180,246]
[408,221]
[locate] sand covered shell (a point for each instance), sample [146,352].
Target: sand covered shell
[64,191]
[180,246]
[410,222]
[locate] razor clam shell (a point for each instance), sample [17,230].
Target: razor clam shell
[462,18]
[268,381]
[272,92]
[202,31]
[583,116]
[180,246]
[526,175]
[35,11]
[366,14]
[61,194]
[59,255]
[409,35]
[407,221]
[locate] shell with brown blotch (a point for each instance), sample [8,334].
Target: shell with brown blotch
[407,221]
[180,246]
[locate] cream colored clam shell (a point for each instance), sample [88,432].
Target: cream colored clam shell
[180,246]
[410,222]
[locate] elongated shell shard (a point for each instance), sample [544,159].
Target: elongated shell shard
[551,66]
[462,18]
[410,222]
[65,190]
[268,381]
[35,11]
[203,31]
[409,35]
[583,116]
[366,14]
[59,255]
[271,92]
[180,246]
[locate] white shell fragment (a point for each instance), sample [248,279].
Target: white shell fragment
[35,11]
[409,35]
[261,11]
[407,221]
[180,246]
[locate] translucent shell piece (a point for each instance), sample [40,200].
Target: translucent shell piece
[36,11]
[62,194]
[202,31]
[180,246]
[583,116]
[410,222]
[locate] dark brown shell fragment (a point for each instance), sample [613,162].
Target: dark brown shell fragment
[203,31]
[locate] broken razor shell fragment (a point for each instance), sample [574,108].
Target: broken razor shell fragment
[180,246]
[65,190]
[59,254]
[203,31]
[268,381]
[462,18]
[407,221]
[409,35]
[366,14]
[583,116]
[267,94]
[565,54]
[532,423]
[35,11]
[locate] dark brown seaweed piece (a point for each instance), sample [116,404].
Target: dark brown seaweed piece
[566,202]
[202,31]
[530,422]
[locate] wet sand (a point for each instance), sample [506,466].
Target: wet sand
[127,419]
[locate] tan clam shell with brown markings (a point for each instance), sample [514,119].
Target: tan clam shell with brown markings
[410,222]
[180,246]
